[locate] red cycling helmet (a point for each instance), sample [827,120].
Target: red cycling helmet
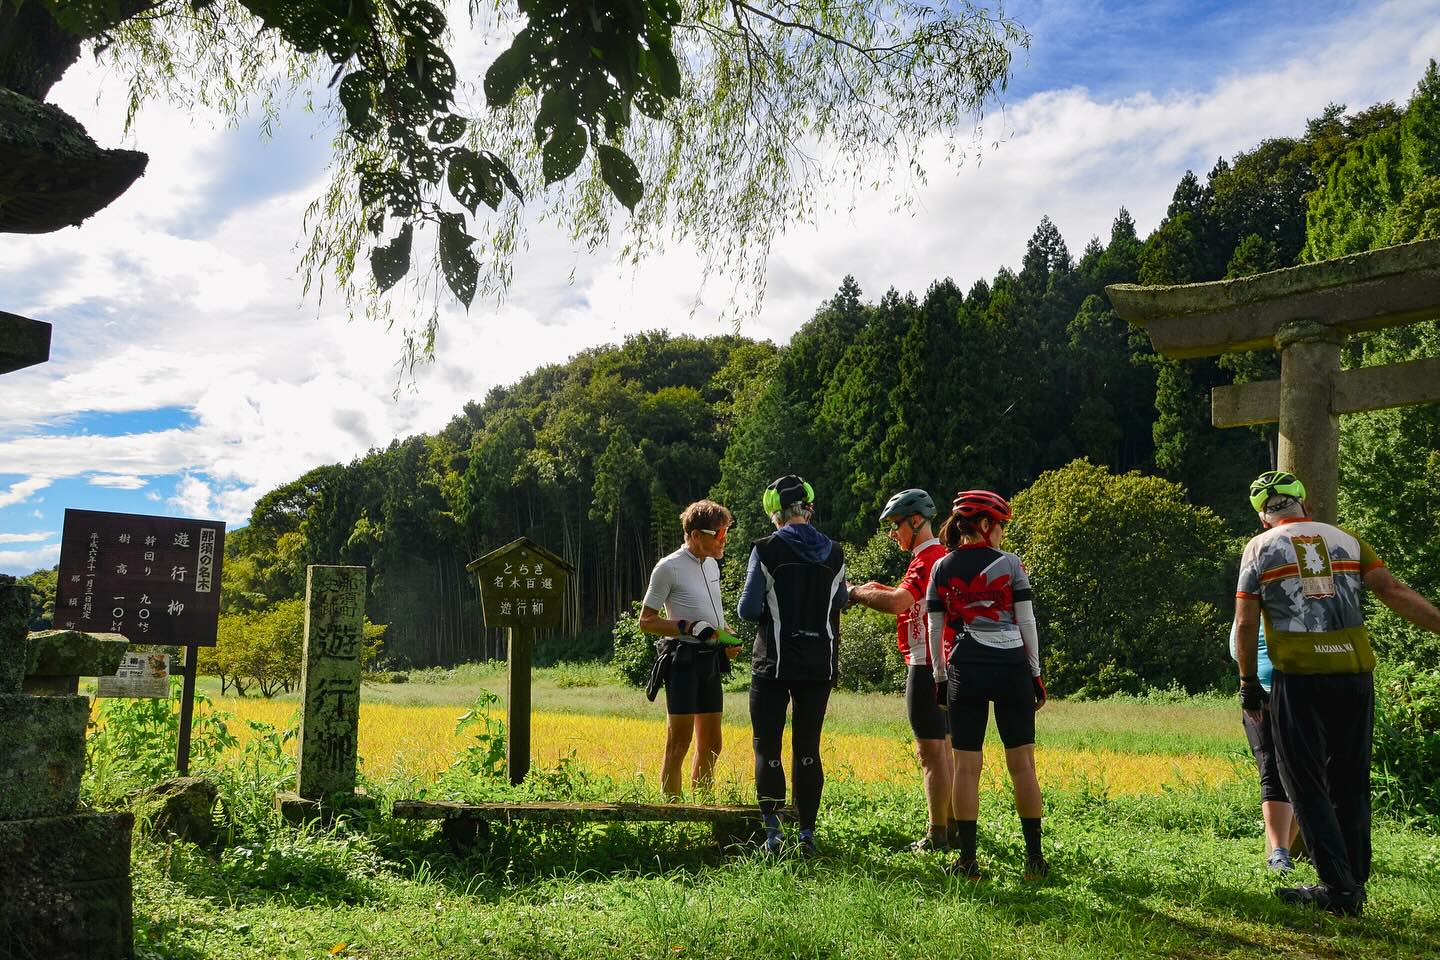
[971,504]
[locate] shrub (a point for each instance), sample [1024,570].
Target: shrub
[1406,758]
[869,657]
[131,743]
[553,647]
[879,559]
[590,674]
[634,649]
[1128,580]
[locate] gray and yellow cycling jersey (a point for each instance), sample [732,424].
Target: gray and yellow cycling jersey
[1309,578]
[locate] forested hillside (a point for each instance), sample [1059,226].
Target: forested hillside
[976,382]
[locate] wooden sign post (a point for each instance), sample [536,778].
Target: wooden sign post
[522,588]
[1305,314]
[153,580]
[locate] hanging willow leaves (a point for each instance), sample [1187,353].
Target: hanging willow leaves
[392,261]
[459,264]
[721,107]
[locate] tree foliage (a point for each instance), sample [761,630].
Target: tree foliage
[717,122]
[1130,580]
[1381,189]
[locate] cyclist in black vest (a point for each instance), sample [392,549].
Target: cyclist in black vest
[794,589]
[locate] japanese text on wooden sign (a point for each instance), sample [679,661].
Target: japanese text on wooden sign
[522,585]
[155,580]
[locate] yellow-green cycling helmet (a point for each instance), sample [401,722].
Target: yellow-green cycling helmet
[1275,483]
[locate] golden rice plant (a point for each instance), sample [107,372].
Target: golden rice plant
[403,740]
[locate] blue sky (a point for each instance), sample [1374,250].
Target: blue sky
[189,373]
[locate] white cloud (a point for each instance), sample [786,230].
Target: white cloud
[22,490]
[26,561]
[118,481]
[213,321]
[192,497]
[25,537]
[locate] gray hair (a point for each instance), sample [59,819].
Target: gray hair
[1281,507]
[785,514]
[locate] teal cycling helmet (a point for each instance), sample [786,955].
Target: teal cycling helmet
[1274,483]
[906,502]
[786,492]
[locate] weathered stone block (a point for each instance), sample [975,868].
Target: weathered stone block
[73,653]
[66,887]
[181,807]
[14,615]
[42,755]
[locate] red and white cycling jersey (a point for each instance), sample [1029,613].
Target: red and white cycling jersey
[912,624]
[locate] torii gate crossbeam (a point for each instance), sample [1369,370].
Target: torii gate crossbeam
[1305,313]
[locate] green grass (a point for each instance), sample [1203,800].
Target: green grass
[1179,874]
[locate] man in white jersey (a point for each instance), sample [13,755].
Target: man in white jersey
[1307,581]
[686,585]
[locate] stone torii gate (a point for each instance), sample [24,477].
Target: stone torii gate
[1305,313]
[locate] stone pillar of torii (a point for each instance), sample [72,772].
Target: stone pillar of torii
[1305,313]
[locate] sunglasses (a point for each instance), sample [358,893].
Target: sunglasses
[717,534]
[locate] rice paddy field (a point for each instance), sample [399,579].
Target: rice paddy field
[1118,748]
[1152,827]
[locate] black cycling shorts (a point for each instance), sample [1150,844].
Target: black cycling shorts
[974,686]
[1262,745]
[693,685]
[927,720]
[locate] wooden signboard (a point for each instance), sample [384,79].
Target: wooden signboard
[522,585]
[522,588]
[154,580]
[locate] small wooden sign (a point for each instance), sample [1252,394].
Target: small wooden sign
[142,674]
[522,585]
[522,588]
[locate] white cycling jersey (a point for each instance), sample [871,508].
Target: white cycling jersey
[687,587]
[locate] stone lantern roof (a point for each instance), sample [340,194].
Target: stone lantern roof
[52,175]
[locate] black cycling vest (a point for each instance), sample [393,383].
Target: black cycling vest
[797,635]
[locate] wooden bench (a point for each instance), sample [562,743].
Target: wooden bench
[464,824]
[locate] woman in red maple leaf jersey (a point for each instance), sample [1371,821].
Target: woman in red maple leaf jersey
[981,617]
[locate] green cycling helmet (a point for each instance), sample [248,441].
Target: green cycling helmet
[1275,483]
[907,502]
[785,492]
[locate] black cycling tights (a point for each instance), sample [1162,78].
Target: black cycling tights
[768,701]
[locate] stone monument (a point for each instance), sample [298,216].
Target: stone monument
[330,686]
[64,871]
[1305,313]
